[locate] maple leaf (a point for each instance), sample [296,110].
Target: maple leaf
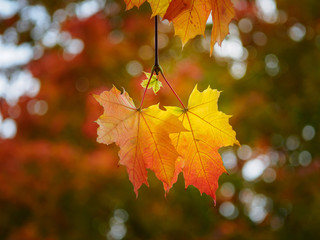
[141,134]
[189,18]
[222,13]
[159,7]
[154,83]
[209,130]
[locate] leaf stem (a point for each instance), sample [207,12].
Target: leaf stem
[145,90]
[156,69]
[174,92]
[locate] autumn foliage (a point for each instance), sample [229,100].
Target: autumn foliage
[58,182]
[177,140]
[168,142]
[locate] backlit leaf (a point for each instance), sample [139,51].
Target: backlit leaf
[189,19]
[159,7]
[209,130]
[142,135]
[155,83]
[222,14]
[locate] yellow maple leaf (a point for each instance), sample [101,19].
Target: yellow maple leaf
[141,134]
[208,130]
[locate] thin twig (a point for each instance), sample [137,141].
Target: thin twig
[156,49]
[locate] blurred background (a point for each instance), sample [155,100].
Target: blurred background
[56,182]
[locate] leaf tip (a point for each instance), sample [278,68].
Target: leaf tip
[214,202]
[196,87]
[136,192]
[158,106]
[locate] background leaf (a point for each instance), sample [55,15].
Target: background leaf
[155,84]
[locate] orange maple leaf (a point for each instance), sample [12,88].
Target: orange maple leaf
[141,134]
[209,130]
[222,13]
[189,17]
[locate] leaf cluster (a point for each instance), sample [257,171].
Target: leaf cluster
[189,17]
[168,142]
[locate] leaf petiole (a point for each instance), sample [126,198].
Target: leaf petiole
[145,90]
[156,69]
[174,92]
